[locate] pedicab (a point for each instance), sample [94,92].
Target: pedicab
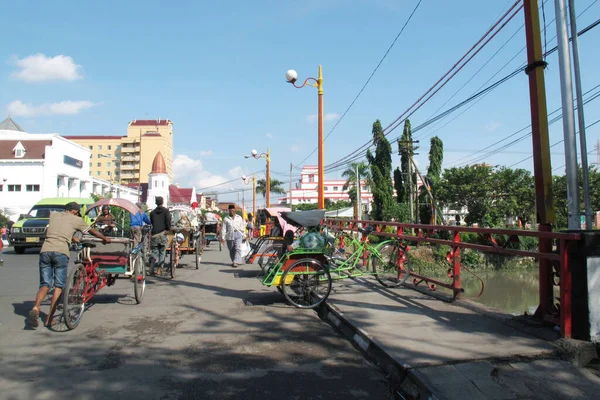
[185,236]
[268,244]
[305,273]
[99,264]
[211,229]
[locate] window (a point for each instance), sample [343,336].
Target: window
[108,164]
[90,165]
[99,164]
[99,155]
[117,164]
[108,173]
[99,147]
[32,188]
[107,155]
[311,178]
[0,188]
[91,147]
[335,188]
[14,188]
[363,188]
[97,173]
[109,147]
[325,187]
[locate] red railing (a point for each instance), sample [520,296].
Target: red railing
[552,255]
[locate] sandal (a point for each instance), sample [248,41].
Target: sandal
[33,319]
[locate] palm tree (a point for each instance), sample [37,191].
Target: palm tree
[352,180]
[276,187]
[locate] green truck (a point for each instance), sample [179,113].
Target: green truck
[30,230]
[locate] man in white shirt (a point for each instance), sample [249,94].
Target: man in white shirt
[233,232]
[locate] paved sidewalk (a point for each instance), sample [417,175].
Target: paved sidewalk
[450,352]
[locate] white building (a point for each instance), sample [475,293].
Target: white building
[37,166]
[306,189]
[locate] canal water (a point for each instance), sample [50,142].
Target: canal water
[514,292]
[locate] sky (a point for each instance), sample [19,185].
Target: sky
[217,70]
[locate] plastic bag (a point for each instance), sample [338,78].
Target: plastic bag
[245,250]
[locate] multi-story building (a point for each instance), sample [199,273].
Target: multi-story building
[306,189]
[37,166]
[128,159]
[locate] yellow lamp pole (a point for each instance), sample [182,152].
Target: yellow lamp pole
[267,155]
[292,76]
[247,180]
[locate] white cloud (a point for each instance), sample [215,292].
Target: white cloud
[492,126]
[268,135]
[39,67]
[295,148]
[189,172]
[327,117]
[67,107]
[205,153]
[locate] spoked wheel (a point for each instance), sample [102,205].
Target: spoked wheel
[198,252]
[392,267]
[306,283]
[269,257]
[173,258]
[139,278]
[73,296]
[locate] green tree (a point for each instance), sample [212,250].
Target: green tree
[3,219]
[472,187]
[276,187]
[352,179]
[405,148]
[434,170]
[399,186]
[514,194]
[559,189]
[381,173]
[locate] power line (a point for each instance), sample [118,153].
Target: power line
[368,80]
[358,154]
[484,40]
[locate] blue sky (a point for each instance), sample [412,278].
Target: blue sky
[216,69]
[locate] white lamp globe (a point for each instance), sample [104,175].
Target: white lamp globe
[291,76]
[254,153]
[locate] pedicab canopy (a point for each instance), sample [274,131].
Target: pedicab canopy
[184,216]
[122,203]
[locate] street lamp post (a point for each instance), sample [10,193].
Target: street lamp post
[247,180]
[291,76]
[267,155]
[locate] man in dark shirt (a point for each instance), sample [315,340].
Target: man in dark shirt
[160,218]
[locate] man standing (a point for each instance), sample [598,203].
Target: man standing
[160,218]
[233,232]
[54,256]
[137,220]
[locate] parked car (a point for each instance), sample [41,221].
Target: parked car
[30,230]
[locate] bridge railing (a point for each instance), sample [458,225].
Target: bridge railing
[552,257]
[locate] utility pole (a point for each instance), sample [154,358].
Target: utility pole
[358,196]
[291,207]
[566,89]
[580,117]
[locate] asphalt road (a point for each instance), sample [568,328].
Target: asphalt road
[212,333]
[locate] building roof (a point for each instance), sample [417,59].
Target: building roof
[179,195]
[34,149]
[158,165]
[9,125]
[150,122]
[151,134]
[94,137]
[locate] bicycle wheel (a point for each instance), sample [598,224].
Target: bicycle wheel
[269,257]
[139,278]
[391,265]
[306,283]
[173,261]
[73,296]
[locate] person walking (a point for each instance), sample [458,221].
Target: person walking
[250,226]
[136,222]
[233,233]
[160,218]
[54,256]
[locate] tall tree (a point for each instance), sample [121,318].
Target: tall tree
[559,189]
[434,170]
[405,148]
[351,178]
[276,187]
[399,186]
[381,174]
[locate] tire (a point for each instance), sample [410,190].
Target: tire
[19,249]
[198,254]
[392,268]
[173,259]
[303,277]
[73,296]
[139,279]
